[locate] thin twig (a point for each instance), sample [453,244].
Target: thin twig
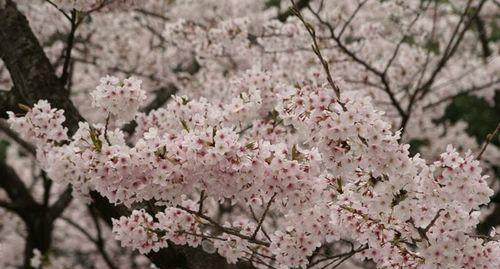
[225,229]
[60,10]
[254,216]
[316,49]
[362,62]
[402,40]
[451,47]
[465,92]
[153,14]
[489,138]
[106,130]
[202,199]
[428,53]
[254,235]
[340,255]
[433,221]
[301,4]
[358,8]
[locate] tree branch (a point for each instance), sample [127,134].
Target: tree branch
[62,203]
[69,48]
[14,136]
[9,206]
[489,138]
[362,62]
[316,49]
[483,36]
[452,46]
[254,235]
[299,5]
[16,190]
[30,69]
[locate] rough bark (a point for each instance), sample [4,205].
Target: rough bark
[33,76]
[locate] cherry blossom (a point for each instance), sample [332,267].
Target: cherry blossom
[219,129]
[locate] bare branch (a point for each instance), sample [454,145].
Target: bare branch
[470,90]
[483,36]
[225,229]
[9,206]
[358,8]
[62,203]
[69,47]
[16,190]
[398,46]
[452,45]
[14,136]
[360,61]
[60,10]
[163,94]
[153,14]
[316,49]
[345,255]
[489,138]
[299,5]
[254,235]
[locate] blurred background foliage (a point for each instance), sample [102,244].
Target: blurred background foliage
[480,116]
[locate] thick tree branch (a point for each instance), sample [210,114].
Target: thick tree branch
[8,102]
[9,206]
[162,95]
[16,190]
[62,203]
[69,48]
[30,69]
[4,127]
[483,36]
[34,215]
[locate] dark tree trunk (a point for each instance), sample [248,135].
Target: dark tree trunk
[31,71]
[39,229]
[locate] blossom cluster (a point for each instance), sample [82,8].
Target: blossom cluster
[138,231]
[344,176]
[119,100]
[273,167]
[41,124]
